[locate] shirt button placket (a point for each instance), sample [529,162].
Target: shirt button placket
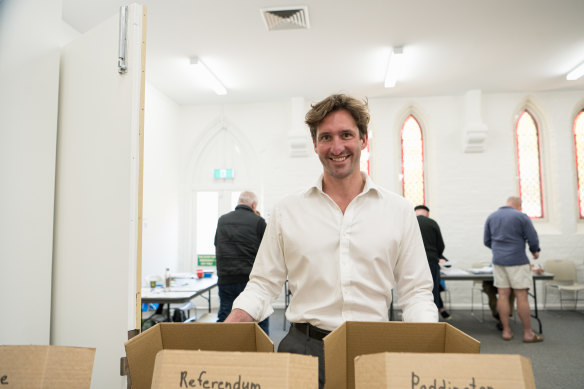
[345,266]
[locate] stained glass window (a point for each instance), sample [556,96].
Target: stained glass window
[412,161]
[365,156]
[579,144]
[529,165]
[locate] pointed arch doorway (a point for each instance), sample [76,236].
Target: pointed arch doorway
[225,164]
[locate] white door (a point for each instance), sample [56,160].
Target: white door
[29,76]
[210,206]
[98,195]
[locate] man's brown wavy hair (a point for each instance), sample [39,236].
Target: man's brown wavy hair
[358,109]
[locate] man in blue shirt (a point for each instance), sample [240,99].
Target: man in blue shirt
[506,232]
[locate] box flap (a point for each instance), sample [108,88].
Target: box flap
[420,370]
[376,337]
[214,337]
[46,366]
[335,356]
[457,341]
[263,342]
[220,369]
[527,371]
[142,349]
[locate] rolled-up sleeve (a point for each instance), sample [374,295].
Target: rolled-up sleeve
[531,236]
[487,234]
[267,276]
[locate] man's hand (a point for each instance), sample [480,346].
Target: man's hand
[238,315]
[535,255]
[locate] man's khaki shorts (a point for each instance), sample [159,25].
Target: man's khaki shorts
[514,277]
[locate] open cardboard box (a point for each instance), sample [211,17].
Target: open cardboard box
[142,349]
[40,367]
[221,369]
[352,339]
[412,370]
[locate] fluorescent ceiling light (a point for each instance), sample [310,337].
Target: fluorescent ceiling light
[576,73]
[210,78]
[394,67]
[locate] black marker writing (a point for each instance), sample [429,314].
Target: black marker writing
[444,384]
[203,382]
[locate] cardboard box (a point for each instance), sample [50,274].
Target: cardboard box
[424,371]
[220,369]
[359,338]
[142,349]
[43,367]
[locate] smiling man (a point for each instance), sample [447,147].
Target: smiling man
[343,244]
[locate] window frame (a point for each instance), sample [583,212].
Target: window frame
[423,161]
[579,189]
[535,120]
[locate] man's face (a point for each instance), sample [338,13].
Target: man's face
[338,145]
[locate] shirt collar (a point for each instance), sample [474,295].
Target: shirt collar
[369,185]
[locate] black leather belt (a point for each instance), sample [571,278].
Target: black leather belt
[310,330]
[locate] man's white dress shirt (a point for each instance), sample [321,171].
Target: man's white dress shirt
[341,267]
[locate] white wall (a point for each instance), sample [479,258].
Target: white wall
[266,127]
[162,139]
[29,79]
[462,189]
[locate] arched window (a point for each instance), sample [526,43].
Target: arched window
[412,147]
[365,156]
[529,165]
[579,145]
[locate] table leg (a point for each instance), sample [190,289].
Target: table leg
[168,312]
[535,314]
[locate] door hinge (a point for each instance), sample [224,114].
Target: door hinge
[122,65]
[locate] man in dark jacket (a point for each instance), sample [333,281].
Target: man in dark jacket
[238,237]
[434,246]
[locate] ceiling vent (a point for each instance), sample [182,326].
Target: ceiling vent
[285,18]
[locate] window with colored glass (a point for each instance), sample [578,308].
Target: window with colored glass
[365,156]
[529,165]
[579,145]
[412,148]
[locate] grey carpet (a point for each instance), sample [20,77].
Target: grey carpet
[558,362]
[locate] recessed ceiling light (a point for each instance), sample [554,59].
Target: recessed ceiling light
[394,67]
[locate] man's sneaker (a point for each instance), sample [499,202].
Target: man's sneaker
[445,315]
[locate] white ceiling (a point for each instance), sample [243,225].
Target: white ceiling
[451,46]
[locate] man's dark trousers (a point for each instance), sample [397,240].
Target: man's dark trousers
[227,294]
[435,270]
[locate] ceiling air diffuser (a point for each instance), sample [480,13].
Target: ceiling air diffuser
[288,18]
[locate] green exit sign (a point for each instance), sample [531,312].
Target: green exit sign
[223,173]
[206,260]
